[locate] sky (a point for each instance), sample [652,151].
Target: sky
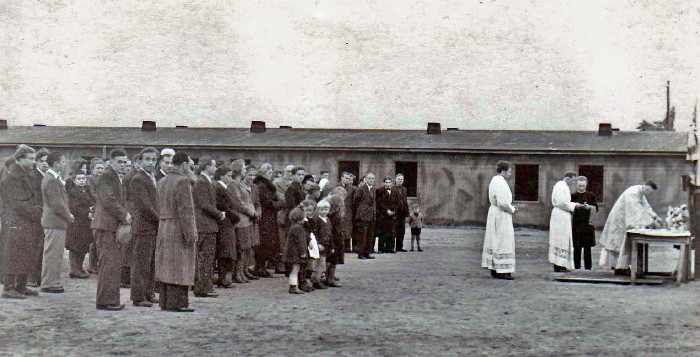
[386,64]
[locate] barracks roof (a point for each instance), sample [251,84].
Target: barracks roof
[460,141]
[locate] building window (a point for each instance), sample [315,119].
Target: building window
[352,167]
[409,169]
[596,179]
[527,178]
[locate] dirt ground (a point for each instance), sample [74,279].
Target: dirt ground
[436,302]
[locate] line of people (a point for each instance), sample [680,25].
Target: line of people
[570,230]
[152,225]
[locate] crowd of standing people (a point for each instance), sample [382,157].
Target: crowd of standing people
[158,223]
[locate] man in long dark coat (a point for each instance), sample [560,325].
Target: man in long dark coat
[41,168]
[177,234]
[346,183]
[364,208]
[23,220]
[110,211]
[207,218]
[128,249]
[144,200]
[281,185]
[401,211]
[387,199]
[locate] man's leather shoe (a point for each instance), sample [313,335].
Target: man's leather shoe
[332,283]
[13,294]
[143,304]
[319,285]
[53,290]
[369,257]
[401,250]
[110,307]
[78,276]
[29,292]
[207,295]
[504,276]
[361,257]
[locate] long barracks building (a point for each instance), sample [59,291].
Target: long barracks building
[447,171]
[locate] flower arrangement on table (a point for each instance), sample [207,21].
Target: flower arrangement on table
[677,218]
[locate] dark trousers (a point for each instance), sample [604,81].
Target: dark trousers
[94,257]
[400,232]
[351,243]
[587,259]
[173,296]
[35,276]
[143,267]
[206,250]
[127,251]
[15,282]
[364,234]
[109,269]
[386,243]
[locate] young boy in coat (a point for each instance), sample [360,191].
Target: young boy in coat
[296,252]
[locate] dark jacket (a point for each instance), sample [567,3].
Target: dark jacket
[401,201]
[267,224]
[226,237]
[79,235]
[322,231]
[294,195]
[363,204]
[338,234]
[204,195]
[144,201]
[350,189]
[297,250]
[56,213]
[129,204]
[110,208]
[386,201]
[23,218]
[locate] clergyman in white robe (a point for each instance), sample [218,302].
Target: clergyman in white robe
[499,243]
[631,211]
[561,242]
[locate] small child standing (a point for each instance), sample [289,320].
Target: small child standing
[415,220]
[322,225]
[297,248]
[308,207]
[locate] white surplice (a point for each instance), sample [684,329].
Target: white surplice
[561,243]
[631,210]
[499,243]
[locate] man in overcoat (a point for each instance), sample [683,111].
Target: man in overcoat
[144,200]
[364,208]
[207,218]
[346,183]
[387,199]
[177,236]
[41,168]
[281,184]
[401,211]
[132,168]
[23,219]
[55,218]
[110,212]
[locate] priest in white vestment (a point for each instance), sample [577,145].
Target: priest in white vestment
[632,210]
[498,254]
[561,242]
